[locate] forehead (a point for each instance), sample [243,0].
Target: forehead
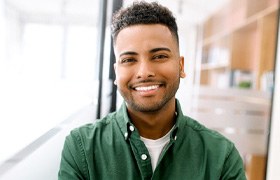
[140,37]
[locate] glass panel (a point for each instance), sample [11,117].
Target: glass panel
[234,77]
[47,67]
[273,161]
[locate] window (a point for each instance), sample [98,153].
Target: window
[47,67]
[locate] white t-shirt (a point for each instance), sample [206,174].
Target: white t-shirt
[156,146]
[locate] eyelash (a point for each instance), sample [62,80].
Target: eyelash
[161,56]
[156,57]
[127,60]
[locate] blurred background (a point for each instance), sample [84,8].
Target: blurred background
[56,73]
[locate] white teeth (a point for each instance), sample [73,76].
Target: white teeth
[147,88]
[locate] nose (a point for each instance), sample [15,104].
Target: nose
[145,70]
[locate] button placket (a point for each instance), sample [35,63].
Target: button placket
[140,152]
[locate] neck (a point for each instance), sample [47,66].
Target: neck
[153,125]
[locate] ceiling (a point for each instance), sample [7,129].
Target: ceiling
[86,11]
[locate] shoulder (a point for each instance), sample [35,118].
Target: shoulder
[91,131]
[210,139]
[80,145]
[202,130]
[196,132]
[219,150]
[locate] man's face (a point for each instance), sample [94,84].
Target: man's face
[148,66]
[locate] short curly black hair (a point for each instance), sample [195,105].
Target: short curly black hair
[143,13]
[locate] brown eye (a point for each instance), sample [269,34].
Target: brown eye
[127,60]
[161,56]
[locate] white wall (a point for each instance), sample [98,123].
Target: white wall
[2,35]
[188,47]
[273,165]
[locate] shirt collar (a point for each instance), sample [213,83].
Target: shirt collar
[123,120]
[125,124]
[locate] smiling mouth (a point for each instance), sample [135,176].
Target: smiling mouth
[147,88]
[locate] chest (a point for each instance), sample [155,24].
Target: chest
[131,160]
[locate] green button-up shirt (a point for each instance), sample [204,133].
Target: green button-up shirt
[110,149]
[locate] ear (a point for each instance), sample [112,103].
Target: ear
[115,67]
[115,81]
[182,68]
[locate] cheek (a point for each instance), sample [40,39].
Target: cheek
[122,75]
[171,70]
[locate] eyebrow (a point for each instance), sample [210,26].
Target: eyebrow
[159,49]
[128,53]
[151,51]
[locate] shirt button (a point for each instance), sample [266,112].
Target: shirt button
[125,135]
[175,138]
[144,157]
[131,128]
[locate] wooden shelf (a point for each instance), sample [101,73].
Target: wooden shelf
[213,66]
[238,50]
[240,37]
[253,19]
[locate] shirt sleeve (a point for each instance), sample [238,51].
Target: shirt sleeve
[73,163]
[233,167]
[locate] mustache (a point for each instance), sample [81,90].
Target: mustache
[146,81]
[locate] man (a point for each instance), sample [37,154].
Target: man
[149,137]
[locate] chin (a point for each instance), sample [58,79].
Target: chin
[149,106]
